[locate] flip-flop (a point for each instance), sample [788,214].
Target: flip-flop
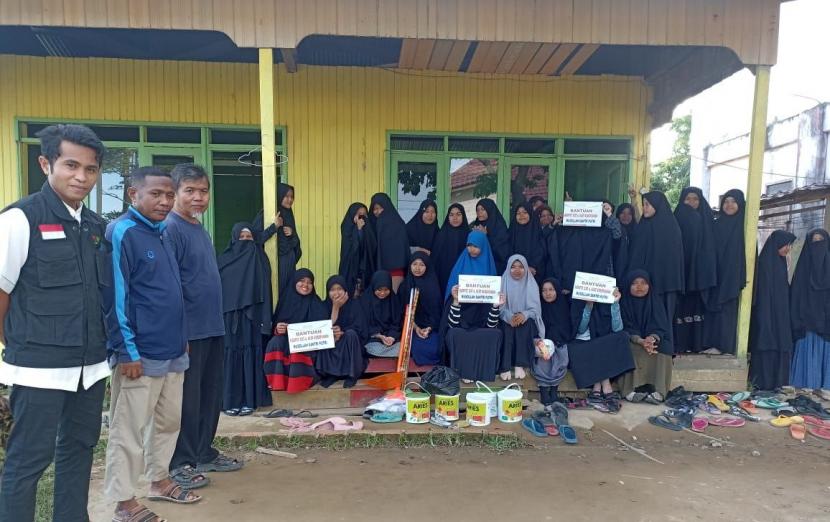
[568,434]
[547,422]
[184,496]
[782,421]
[815,421]
[717,402]
[709,408]
[798,431]
[748,407]
[769,403]
[663,421]
[726,422]
[724,396]
[820,432]
[699,424]
[276,414]
[535,427]
[738,412]
[738,397]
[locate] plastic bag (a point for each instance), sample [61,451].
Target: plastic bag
[441,380]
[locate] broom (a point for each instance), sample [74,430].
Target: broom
[397,379]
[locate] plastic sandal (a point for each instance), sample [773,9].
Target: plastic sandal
[717,402]
[385,417]
[547,422]
[782,421]
[726,422]
[748,407]
[820,432]
[769,403]
[663,421]
[568,434]
[535,427]
[815,421]
[739,397]
[276,414]
[699,424]
[798,431]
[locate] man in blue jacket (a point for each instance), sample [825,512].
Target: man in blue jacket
[147,349]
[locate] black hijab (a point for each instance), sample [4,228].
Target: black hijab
[526,239]
[697,227]
[597,248]
[390,231]
[497,233]
[448,245]
[657,246]
[810,290]
[430,296]
[644,316]
[770,326]
[383,316]
[729,246]
[296,308]
[357,249]
[285,244]
[556,315]
[622,245]
[350,316]
[420,234]
[241,271]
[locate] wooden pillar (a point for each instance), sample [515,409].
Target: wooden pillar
[269,163]
[757,145]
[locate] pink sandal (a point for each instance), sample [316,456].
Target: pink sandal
[726,422]
[699,424]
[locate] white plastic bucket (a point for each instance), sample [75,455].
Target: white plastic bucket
[477,410]
[510,404]
[489,395]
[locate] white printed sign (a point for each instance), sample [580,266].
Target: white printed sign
[479,289]
[311,336]
[582,214]
[594,287]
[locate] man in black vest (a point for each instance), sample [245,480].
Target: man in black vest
[54,261]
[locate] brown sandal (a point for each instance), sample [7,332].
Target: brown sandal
[176,494]
[138,514]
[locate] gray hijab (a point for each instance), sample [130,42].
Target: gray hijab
[522,296]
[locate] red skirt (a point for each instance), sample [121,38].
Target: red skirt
[286,371]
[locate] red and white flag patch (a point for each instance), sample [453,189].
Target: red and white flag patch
[48,232]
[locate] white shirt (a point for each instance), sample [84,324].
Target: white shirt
[14,250]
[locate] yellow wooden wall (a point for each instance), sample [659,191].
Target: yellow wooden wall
[336,118]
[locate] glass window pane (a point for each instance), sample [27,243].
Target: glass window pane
[473,144]
[594,180]
[425,143]
[116,132]
[596,147]
[472,179]
[174,135]
[35,177]
[417,181]
[529,146]
[109,198]
[237,192]
[235,137]
[168,161]
[527,181]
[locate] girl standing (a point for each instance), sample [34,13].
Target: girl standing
[422,229]
[490,221]
[551,363]
[449,243]
[810,315]
[722,303]
[392,239]
[357,249]
[770,334]
[526,238]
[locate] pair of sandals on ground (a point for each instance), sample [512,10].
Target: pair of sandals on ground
[178,488]
[551,421]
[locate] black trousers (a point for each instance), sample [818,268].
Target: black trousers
[51,424]
[201,403]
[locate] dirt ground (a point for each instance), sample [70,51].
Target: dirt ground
[759,474]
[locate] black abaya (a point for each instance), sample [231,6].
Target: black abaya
[526,240]
[288,246]
[390,231]
[810,291]
[357,251]
[420,234]
[448,245]
[347,360]
[770,336]
[497,234]
[473,347]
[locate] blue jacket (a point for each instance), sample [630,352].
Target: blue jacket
[145,310]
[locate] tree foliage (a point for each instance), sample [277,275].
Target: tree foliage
[673,175]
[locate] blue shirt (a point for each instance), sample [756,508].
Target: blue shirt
[144,307]
[201,284]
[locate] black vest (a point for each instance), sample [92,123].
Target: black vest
[56,312]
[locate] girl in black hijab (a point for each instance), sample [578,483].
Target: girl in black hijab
[347,359]
[288,240]
[657,248]
[770,336]
[422,229]
[245,289]
[697,226]
[490,221]
[293,372]
[721,327]
[383,316]
[449,243]
[551,363]
[526,238]
[426,345]
[622,245]
[357,249]
[810,315]
[392,239]
[645,320]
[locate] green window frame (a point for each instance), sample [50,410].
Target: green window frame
[202,150]
[555,160]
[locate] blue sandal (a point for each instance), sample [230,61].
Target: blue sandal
[535,427]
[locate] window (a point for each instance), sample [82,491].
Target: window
[781,186]
[507,169]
